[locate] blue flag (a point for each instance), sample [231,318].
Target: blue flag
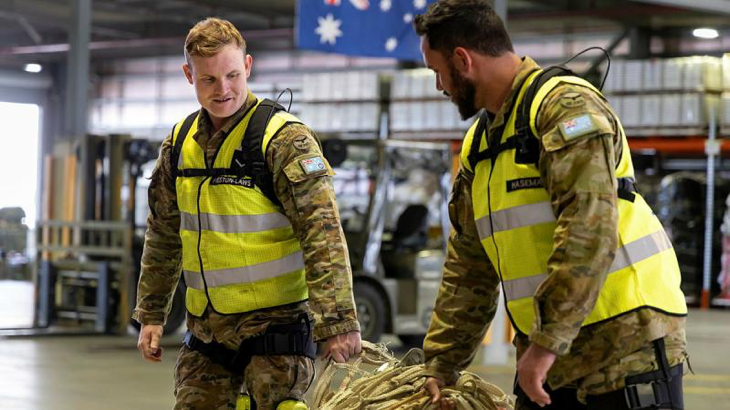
[372,28]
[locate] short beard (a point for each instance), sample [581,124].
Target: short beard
[464,93]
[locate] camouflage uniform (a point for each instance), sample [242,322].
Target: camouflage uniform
[309,203]
[580,179]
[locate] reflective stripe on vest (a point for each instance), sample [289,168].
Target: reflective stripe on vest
[517,217]
[631,253]
[247,274]
[233,223]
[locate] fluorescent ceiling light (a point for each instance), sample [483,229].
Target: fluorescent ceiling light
[705,32]
[33,68]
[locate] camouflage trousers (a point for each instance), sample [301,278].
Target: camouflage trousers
[611,378]
[203,385]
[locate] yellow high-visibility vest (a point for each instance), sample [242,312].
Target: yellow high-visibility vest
[240,252]
[516,228]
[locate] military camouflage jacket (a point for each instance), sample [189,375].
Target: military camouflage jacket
[308,202]
[581,182]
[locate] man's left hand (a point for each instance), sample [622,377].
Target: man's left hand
[343,346]
[532,372]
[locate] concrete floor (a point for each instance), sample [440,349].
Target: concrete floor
[105,372]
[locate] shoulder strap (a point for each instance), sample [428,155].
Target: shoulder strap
[528,143]
[476,140]
[496,146]
[181,135]
[251,147]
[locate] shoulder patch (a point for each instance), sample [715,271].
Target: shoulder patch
[577,127]
[301,142]
[572,99]
[312,165]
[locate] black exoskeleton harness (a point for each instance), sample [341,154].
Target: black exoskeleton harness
[293,339]
[525,143]
[249,161]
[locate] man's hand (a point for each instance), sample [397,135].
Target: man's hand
[149,342]
[341,347]
[532,371]
[433,387]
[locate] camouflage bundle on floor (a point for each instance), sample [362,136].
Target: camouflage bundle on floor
[376,380]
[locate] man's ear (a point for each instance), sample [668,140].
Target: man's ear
[462,60]
[248,63]
[188,72]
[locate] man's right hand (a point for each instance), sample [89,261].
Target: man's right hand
[433,387]
[149,342]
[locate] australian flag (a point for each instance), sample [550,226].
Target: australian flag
[371,28]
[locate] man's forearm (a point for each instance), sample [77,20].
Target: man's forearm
[159,276]
[162,254]
[308,201]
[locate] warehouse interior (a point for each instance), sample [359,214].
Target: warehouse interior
[90,88]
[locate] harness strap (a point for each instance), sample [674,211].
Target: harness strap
[524,141]
[661,388]
[181,135]
[495,141]
[213,172]
[522,122]
[247,161]
[252,155]
[627,189]
[292,339]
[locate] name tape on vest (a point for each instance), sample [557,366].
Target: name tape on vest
[224,180]
[524,183]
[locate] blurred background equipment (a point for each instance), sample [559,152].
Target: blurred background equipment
[392,199]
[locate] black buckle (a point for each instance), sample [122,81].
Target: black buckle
[641,396]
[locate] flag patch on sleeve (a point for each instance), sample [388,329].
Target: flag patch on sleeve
[312,165]
[577,127]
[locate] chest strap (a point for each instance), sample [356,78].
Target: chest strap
[248,161]
[495,146]
[525,143]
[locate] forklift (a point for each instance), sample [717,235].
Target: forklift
[90,238]
[392,197]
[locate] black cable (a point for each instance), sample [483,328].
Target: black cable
[608,62]
[291,97]
[273,109]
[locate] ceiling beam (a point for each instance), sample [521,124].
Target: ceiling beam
[138,43]
[711,6]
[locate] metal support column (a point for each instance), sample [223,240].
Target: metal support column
[640,43]
[712,149]
[103,292]
[46,297]
[77,74]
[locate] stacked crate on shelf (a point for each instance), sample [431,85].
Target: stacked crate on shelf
[343,102]
[665,96]
[418,110]
[725,98]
